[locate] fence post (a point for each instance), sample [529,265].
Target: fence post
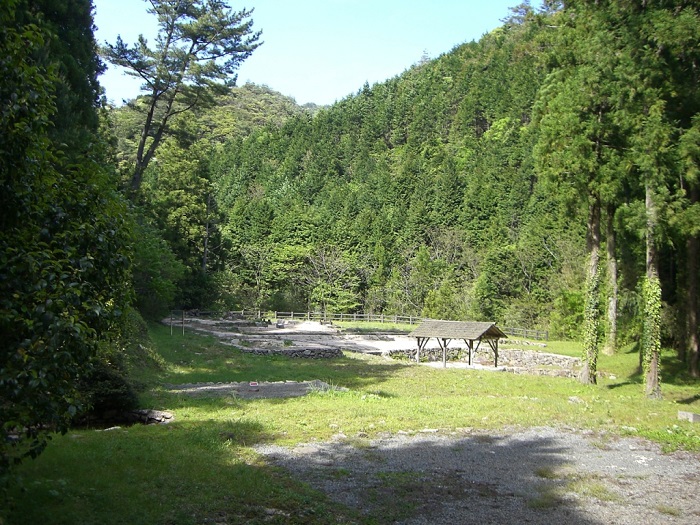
[183,322]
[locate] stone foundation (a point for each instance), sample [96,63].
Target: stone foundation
[510,360]
[295,352]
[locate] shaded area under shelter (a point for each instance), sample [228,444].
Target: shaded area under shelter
[468,331]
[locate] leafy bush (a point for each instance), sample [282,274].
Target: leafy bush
[567,315]
[156,271]
[106,387]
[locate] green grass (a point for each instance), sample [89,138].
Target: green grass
[669,511]
[201,469]
[564,480]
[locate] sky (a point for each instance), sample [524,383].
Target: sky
[321,51]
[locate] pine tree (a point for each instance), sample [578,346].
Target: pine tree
[199,46]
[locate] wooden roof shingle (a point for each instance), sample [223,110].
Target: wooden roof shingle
[469,330]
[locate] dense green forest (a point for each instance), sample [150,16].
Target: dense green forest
[545,176]
[500,181]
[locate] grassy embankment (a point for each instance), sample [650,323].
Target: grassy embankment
[201,469]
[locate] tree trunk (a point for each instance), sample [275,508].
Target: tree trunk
[693,246]
[592,305]
[205,256]
[136,177]
[651,341]
[610,242]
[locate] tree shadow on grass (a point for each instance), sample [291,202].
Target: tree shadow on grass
[350,372]
[689,400]
[438,480]
[177,474]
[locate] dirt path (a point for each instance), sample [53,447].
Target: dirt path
[546,475]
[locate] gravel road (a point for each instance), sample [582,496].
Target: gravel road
[538,476]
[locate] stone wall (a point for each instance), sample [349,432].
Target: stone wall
[295,351]
[511,360]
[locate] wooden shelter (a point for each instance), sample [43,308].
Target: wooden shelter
[468,331]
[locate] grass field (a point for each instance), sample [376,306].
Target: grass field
[201,468]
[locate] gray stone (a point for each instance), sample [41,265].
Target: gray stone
[689,416]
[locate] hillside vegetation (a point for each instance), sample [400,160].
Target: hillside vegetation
[485,184]
[546,176]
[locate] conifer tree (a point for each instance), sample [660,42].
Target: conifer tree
[199,46]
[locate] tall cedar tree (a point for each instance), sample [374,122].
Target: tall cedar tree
[579,148]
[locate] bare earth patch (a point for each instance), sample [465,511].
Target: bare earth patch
[250,390]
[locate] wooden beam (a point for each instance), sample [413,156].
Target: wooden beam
[493,343]
[470,348]
[443,342]
[422,341]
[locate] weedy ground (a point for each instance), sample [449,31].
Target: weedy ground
[201,468]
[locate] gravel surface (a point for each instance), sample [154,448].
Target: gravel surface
[542,475]
[250,390]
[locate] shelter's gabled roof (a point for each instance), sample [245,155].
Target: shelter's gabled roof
[469,330]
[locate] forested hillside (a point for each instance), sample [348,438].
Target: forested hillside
[416,196]
[546,176]
[473,186]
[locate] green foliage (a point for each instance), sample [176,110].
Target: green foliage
[651,335]
[105,387]
[156,272]
[64,278]
[567,315]
[198,49]
[446,302]
[499,281]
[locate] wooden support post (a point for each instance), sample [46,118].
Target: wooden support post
[493,343]
[422,341]
[443,344]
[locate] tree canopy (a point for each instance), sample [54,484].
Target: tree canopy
[476,185]
[64,236]
[199,46]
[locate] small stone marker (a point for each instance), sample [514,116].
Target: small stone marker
[689,416]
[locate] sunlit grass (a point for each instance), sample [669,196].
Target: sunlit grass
[201,466]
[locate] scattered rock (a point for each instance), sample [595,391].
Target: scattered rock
[150,417]
[296,352]
[272,389]
[689,416]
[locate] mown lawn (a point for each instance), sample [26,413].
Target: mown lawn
[201,468]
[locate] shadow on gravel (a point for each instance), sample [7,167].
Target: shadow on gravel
[432,479]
